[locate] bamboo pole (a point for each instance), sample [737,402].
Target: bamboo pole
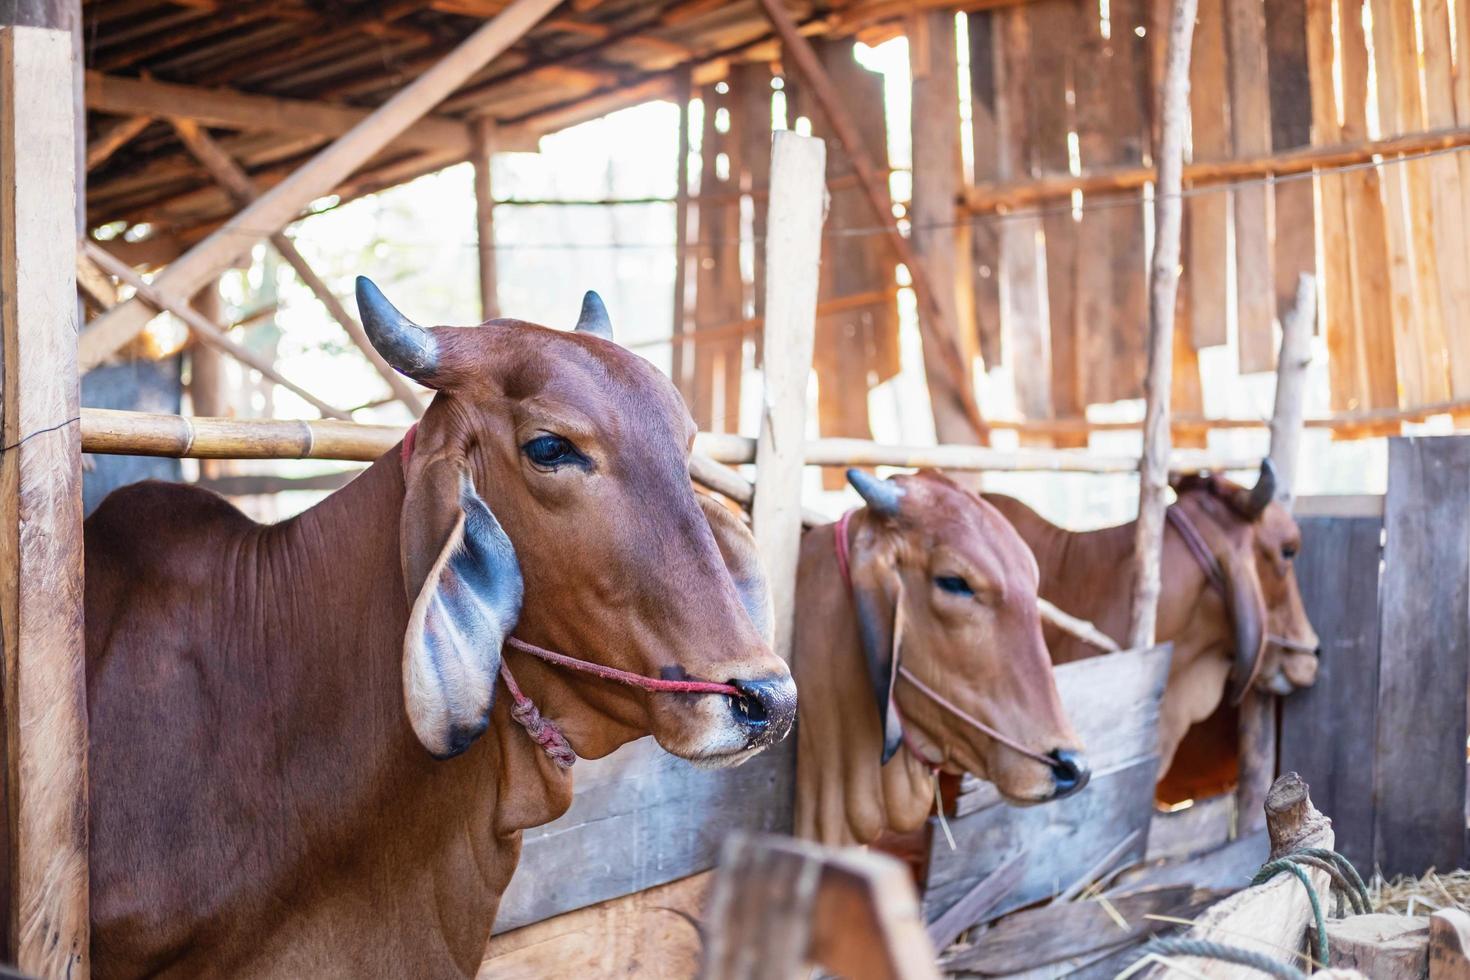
[210,333]
[1011,195]
[238,184]
[274,209]
[1153,469]
[485,139]
[938,331]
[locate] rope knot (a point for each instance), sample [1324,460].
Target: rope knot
[544,733]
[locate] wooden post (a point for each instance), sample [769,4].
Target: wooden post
[798,205]
[45,698]
[682,355]
[936,331]
[274,209]
[237,182]
[484,157]
[935,121]
[1153,467]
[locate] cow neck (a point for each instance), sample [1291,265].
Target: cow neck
[542,730]
[842,547]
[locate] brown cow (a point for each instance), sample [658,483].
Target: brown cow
[941,593]
[1250,629]
[300,765]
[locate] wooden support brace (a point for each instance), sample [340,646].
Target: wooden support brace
[237,182]
[114,138]
[45,700]
[276,208]
[484,155]
[210,333]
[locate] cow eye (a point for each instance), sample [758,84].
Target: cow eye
[1288,552]
[550,451]
[954,584]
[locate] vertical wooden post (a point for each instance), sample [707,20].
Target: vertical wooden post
[207,373]
[1153,467]
[797,207]
[485,217]
[935,122]
[41,505]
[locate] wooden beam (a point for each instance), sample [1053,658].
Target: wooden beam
[273,210]
[209,333]
[1009,196]
[1153,478]
[114,138]
[936,331]
[680,325]
[224,109]
[793,255]
[45,700]
[483,158]
[234,179]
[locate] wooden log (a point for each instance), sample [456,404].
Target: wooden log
[114,138]
[224,109]
[278,206]
[1291,385]
[1420,745]
[793,250]
[1271,918]
[1449,945]
[1380,945]
[234,179]
[1164,281]
[210,333]
[778,904]
[952,385]
[484,158]
[44,691]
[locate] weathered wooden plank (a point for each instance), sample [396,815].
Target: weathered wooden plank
[793,253]
[652,933]
[1052,28]
[1027,340]
[1060,838]
[629,828]
[719,296]
[1250,134]
[1324,728]
[984,233]
[1208,215]
[1448,187]
[1128,130]
[1205,825]
[1422,674]
[1382,275]
[1225,865]
[44,692]
[1294,216]
[484,158]
[1419,342]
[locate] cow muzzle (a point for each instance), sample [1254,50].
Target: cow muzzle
[764,710]
[1069,772]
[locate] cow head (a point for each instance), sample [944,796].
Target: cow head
[945,586]
[548,493]
[1254,540]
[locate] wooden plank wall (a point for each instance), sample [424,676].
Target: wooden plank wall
[1338,572]
[1062,839]
[1268,77]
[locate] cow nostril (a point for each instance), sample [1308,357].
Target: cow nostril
[764,708]
[748,706]
[1069,772]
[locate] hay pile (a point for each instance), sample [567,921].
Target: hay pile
[1421,896]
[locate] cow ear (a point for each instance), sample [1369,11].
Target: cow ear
[737,548]
[877,596]
[1247,606]
[464,589]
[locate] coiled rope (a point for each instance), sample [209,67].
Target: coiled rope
[1345,883]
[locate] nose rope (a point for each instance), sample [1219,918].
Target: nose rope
[542,730]
[844,566]
[1214,574]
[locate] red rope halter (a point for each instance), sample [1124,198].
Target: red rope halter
[844,566]
[542,730]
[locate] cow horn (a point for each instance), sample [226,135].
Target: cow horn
[881,496]
[1262,493]
[408,347]
[594,318]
